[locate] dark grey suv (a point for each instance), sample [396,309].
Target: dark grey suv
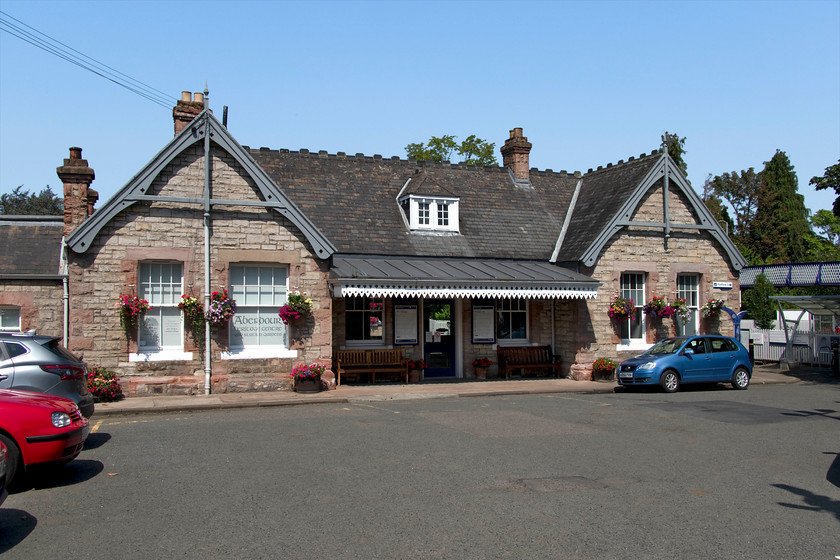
[30,362]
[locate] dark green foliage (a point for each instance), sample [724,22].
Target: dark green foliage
[21,202]
[756,301]
[473,150]
[780,228]
[831,180]
[676,149]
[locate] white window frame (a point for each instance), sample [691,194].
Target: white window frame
[5,312]
[510,341]
[633,284]
[242,293]
[688,287]
[162,296]
[431,213]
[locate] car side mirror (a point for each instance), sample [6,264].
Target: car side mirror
[688,352]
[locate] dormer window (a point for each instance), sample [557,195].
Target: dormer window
[431,213]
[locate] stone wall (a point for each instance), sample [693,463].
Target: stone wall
[641,249]
[40,302]
[169,231]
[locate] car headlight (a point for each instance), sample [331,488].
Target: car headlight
[647,366]
[61,419]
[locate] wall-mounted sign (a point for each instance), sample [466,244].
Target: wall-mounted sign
[722,285]
[405,324]
[484,331]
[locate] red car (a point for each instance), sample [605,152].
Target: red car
[38,429]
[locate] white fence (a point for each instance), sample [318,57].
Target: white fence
[807,347]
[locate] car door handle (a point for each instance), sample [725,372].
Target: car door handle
[2,377]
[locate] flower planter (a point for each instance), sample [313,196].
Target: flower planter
[414,375]
[307,384]
[481,373]
[603,374]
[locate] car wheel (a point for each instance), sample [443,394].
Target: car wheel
[741,379]
[670,381]
[12,458]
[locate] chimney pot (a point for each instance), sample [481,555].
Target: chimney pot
[186,96]
[79,198]
[199,97]
[515,154]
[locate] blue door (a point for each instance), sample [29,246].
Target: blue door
[439,338]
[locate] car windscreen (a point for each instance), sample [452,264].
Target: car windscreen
[667,346]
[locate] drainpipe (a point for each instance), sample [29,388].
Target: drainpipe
[208,368]
[65,282]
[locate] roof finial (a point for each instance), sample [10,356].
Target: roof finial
[206,96]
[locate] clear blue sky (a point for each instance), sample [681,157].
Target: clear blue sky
[590,82]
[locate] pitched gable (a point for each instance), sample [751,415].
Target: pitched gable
[204,130]
[612,199]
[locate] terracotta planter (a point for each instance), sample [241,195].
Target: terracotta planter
[307,384]
[414,375]
[480,372]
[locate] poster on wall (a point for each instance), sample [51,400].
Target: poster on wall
[405,324]
[483,324]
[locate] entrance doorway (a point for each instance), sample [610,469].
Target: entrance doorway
[439,338]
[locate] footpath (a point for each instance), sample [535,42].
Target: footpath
[769,374]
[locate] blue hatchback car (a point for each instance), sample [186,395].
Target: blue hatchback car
[689,359]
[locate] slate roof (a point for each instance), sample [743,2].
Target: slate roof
[602,194]
[31,246]
[353,201]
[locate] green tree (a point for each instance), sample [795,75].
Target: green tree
[22,202]
[830,180]
[676,149]
[756,301]
[781,225]
[740,190]
[828,224]
[473,150]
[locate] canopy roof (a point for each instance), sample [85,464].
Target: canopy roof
[818,305]
[382,276]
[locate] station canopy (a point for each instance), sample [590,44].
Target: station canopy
[817,305]
[384,276]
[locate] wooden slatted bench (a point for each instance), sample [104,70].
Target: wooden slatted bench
[527,357]
[369,362]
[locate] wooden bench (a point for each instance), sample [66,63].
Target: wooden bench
[527,357]
[370,362]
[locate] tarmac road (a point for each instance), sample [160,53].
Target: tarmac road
[705,473]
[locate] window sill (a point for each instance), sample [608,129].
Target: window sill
[513,342]
[632,346]
[161,356]
[259,353]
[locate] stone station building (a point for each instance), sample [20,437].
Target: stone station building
[444,262]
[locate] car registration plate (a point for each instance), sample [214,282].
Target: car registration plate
[625,374]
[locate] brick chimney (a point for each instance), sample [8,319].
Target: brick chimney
[186,110]
[515,154]
[79,198]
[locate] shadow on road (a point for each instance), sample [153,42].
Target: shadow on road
[833,474]
[813,502]
[56,476]
[15,526]
[97,440]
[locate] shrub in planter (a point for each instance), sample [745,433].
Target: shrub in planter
[104,384]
